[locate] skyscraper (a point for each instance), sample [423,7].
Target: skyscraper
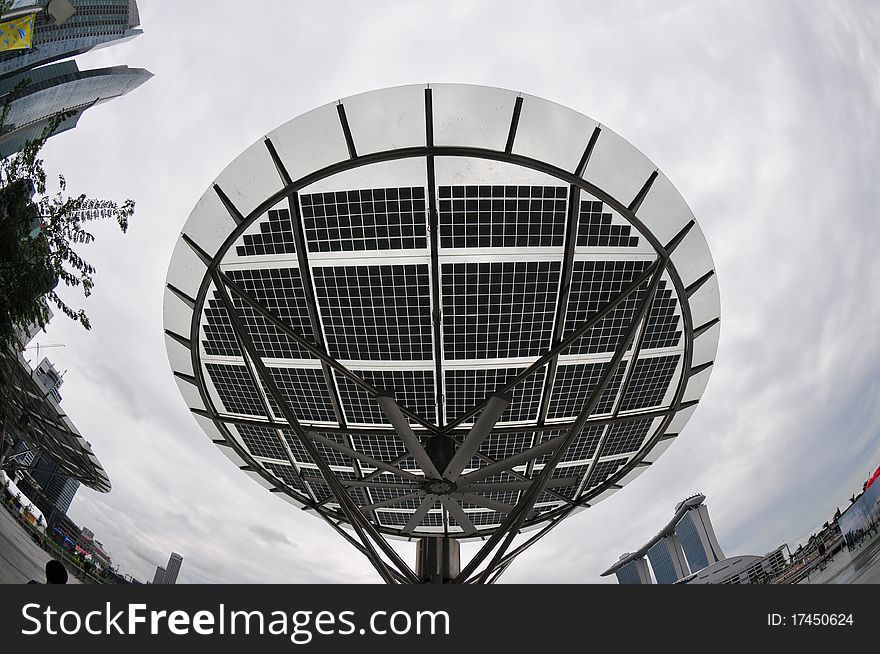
[667,560]
[57,89]
[36,92]
[172,569]
[96,23]
[698,538]
[159,577]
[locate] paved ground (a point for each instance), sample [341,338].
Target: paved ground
[21,559]
[861,566]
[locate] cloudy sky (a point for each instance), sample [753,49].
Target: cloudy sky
[763,114]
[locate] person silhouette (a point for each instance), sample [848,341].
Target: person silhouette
[56,573]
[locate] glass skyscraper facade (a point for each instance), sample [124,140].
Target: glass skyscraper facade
[691,543]
[56,89]
[38,86]
[95,24]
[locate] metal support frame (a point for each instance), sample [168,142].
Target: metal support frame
[518,517]
[361,525]
[510,527]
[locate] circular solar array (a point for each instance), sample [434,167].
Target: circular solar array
[432,294]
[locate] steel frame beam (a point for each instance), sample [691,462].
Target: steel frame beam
[292,186]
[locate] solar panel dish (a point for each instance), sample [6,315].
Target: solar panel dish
[484,315]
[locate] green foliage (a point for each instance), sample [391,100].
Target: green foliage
[39,234]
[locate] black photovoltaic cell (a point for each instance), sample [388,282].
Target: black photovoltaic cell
[502,216]
[584,445]
[649,382]
[235,388]
[287,475]
[393,518]
[414,390]
[505,497]
[278,289]
[596,230]
[626,437]
[593,285]
[299,452]
[467,388]
[499,309]
[486,518]
[366,219]
[575,472]
[662,328]
[322,492]
[261,441]
[501,445]
[275,237]
[433,519]
[602,471]
[331,456]
[383,494]
[381,447]
[305,392]
[575,383]
[377,313]
[219,337]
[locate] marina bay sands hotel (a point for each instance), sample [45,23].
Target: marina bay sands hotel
[686,544]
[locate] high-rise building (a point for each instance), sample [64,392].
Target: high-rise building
[58,89]
[698,538]
[56,490]
[667,560]
[634,572]
[172,568]
[159,577]
[37,89]
[95,24]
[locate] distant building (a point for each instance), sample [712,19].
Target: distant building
[634,572]
[172,569]
[159,577]
[698,538]
[95,24]
[667,560]
[687,543]
[741,569]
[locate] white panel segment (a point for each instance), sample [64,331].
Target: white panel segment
[209,224]
[179,357]
[310,141]
[617,167]
[691,258]
[706,345]
[186,270]
[664,211]
[697,385]
[387,119]
[658,450]
[552,133]
[473,116]
[176,314]
[705,303]
[250,179]
[190,394]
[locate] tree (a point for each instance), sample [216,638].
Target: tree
[38,236]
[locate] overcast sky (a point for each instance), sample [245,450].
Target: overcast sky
[763,114]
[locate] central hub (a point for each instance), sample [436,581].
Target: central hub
[439,487]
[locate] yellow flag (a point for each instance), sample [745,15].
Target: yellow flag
[17,34]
